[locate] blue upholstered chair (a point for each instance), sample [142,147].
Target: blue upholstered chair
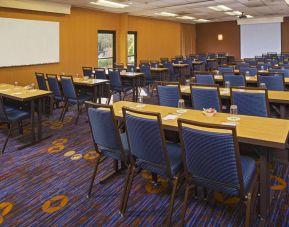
[284,71]
[242,64]
[205,96]
[116,84]
[189,62]
[168,95]
[204,78]
[40,78]
[263,66]
[54,87]
[251,101]
[211,55]
[164,60]
[149,151]
[107,139]
[212,160]
[144,62]
[274,81]
[235,80]
[87,71]
[226,69]
[145,69]
[173,75]
[100,73]
[248,71]
[11,115]
[71,97]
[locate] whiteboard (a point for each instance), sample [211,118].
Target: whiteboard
[257,39]
[28,42]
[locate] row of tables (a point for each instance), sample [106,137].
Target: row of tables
[269,133]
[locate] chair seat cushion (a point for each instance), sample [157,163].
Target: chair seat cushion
[17,115]
[115,154]
[8,108]
[174,152]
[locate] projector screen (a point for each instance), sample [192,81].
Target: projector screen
[28,42]
[260,38]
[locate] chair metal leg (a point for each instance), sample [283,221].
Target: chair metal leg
[172,200]
[127,190]
[183,217]
[248,210]
[63,111]
[7,138]
[78,113]
[20,127]
[93,175]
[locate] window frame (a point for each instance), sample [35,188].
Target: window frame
[113,33]
[135,46]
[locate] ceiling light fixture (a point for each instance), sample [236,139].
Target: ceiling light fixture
[249,16]
[220,8]
[166,14]
[234,13]
[110,4]
[186,18]
[287,1]
[201,20]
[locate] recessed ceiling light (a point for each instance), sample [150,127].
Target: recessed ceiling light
[186,18]
[249,16]
[234,13]
[230,13]
[220,8]
[201,20]
[166,14]
[287,1]
[109,4]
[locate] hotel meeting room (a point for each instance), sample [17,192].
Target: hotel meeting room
[144,112]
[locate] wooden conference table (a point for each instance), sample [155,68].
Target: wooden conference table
[266,132]
[136,80]
[279,97]
[32,96]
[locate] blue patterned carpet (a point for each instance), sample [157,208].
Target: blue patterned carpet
[40,186]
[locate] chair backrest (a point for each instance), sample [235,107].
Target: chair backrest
[105,133]
[154,64]
[273,81]
[211,55]
[68,87]
[131,68]
[144,62]
[41,81]
[114,78]
[145,69]
[263,66]
[248,71]
[87,71]
[227,69]
[3,115]
[189,62]
[168,95]
[170,67]
[146,140]
[242,64]
[284,71]
[206,96]
[53,85]
[100,73]
[119,66]
[205,79]
[235,80]
[251,101]
[211,156]
[222,54]
[164,60]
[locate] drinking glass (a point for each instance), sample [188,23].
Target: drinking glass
[263,85]
[181,106]
[247,73]
[132,69]
[233,113]
[188,82]
[227,84]
[140,102]
[262,67]
[16,84]
[32,86]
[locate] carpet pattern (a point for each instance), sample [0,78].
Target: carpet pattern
[47,184]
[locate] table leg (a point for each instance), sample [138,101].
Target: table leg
[264,186]
[282,110]
[95,96]
[134,90]
[32,119]
[39,120]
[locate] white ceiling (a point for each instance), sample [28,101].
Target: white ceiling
[195,8]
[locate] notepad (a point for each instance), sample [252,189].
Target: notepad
[170,117]
[230,123]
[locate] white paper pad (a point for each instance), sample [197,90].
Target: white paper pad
[170,117]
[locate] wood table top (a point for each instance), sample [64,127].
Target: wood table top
[88,82]
[159,69]
[252,79]
[270,132]
[273,96]
[180,65]
[21,93]
[131,74]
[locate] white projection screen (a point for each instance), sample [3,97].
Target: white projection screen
[28,42]
[257,39]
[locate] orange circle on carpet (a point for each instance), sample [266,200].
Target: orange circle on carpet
[281,186]
[48,208]
[91,155]
[219,197]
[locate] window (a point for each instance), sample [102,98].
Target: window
[106,49]
[132,48]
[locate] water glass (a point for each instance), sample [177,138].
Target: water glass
[188,81]
[32,86]
[262,67]
[16,84]
[247,73]
[180,62]
[181,106]
[132,69]
[140,102]
[227,84]
[233,110]
[263,85]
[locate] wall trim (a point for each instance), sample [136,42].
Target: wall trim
[34,5]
